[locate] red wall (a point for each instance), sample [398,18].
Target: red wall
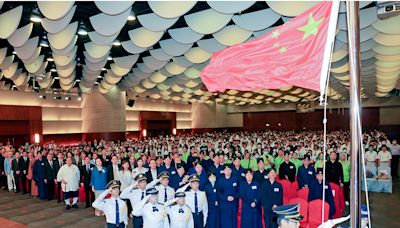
[19,123]
[147,116]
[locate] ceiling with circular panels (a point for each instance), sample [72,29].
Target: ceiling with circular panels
[156,50]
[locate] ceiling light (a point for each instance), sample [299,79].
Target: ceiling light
[67,98]
[44,42]
[78,80]
[82,29]
[103,69]
[50,59]
[53,69]
[99,76]
[56,78]
[42,96]
[79,98]
[35,16]
[96,83]
[14,52]
[109,58]
[117,43]
[131,16]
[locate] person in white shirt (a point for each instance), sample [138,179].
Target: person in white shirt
[197,201]
[114,208]
[395,150]
[166,193]
[179,213]
[69,176]
[125,174]
[154,214]
[370,157]
[384,157]
[139,168]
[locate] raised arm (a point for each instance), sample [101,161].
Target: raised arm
[138,209]
[99,203]
[183,189]
[125,193]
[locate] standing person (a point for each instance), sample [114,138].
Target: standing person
[261,175]
[287,170]
[371,157]
[152,173]
[135,193]
[98,181]
[237,170]
[125,174]
[212,202]
[39,175]
[113,169]
[154,214]
[69,176]
[384,157]
[9,172]
[3,181]
[179,213]
[316,189]
[306,173]
[334,170]
[395,150]
[167,193]
[33,189]
[197,201]
[58,163]
[114,208]
[346,176]
[178,179]
[24,172]
[271,197]
[16,168]
[86,173]
[228,193]
[51,176]
[249,192]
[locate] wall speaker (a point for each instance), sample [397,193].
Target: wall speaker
[130,103]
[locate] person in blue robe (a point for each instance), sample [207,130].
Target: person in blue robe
[261,175]
[228,193]
[213,219]
[176,179]
[39,175]
[271,198]
[306,173]
[201,173]
[237,170]
[316,192]
[249,192]
[216,168]
[167,166]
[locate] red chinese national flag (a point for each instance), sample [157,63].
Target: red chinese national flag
[292,54]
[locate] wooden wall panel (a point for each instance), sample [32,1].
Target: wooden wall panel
[63,139]
[114,136]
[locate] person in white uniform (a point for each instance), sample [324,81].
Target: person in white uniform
[166,193]
[196,200]
[69,176]
[114,208]
[154,214]
[179,213]
[135,193]
[384,157]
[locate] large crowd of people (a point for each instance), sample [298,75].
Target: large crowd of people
[200,176]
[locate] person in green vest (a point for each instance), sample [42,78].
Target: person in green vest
[297,163]
[346,176]
[248,163]
[279,159]
[320,161]
[268,159]
[185,154]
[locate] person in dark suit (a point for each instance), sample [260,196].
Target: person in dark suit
[152,173]
[16,168]
[76,159]
[86,173]
[50,177]
[58,162]
[24,171]
[113,169]
[271,197]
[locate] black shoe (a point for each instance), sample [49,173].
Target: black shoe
[24,193]
[16,191]
[68,207]
[58,201]
[75,206]
[87,206]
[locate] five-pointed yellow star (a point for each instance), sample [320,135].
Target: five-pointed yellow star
[311,27]
[275,34]
[282,49]
[276,44]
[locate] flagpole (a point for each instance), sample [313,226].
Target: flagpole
[353,26]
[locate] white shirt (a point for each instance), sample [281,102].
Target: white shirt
[151,219]
[107,206]
[125,177]
[142,170]
[180,220]
[135,195]
[384,157]
[201,202]
[161,193]
[371,157]
[153,173]
[115,172]
[395,149]
[71,175]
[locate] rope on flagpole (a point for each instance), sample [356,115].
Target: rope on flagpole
[326,67]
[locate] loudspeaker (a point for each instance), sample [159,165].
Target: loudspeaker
[130,103]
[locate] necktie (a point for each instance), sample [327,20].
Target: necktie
[116,212]
[155,209]
[142,197]
[196,205]
[87,168]
[165,195]
[180,210]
